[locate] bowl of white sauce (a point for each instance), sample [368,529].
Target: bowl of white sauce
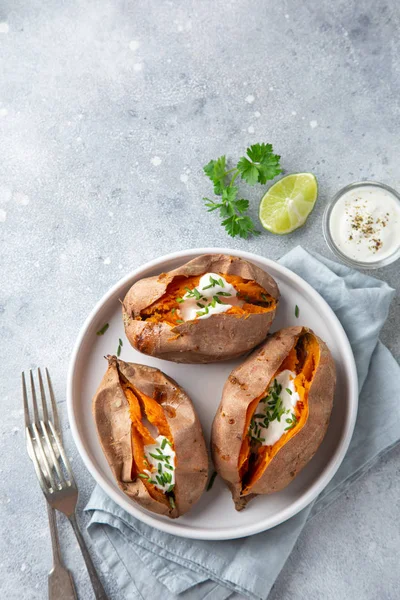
[362,225]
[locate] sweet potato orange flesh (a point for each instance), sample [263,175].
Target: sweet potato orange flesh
[303,359]
[141,406]
[256,299]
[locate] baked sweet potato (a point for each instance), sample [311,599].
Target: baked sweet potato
[215,307]
[274,413]
[152,437]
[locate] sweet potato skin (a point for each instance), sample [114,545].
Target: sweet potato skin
[248,381]
[221,337]
[111,414]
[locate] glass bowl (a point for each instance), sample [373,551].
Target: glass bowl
[383,262]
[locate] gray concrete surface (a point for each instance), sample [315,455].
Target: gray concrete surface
[108,111]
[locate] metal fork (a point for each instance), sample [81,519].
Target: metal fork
[57,482]
[59,578]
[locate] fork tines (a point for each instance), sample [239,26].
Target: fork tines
[42,436]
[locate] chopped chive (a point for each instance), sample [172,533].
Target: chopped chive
[119,347]
[223,294]
[173,311]
[143,476]
[169,467]
[160,481]
[103,329]
[264,297]
[163,443]
[153,482]
[171,487]
[179,300]
[157,456]
[211,481]
[200,305]
[180,321]
[296,312]
[171,501]
[289,391]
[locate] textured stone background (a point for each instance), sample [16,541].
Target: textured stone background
[108,111]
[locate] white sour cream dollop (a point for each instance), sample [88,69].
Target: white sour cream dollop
[212,296]
[163,475]
[268,436]
[365,224]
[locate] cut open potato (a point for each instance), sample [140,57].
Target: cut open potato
[215,307]
[152,437]
[274,413]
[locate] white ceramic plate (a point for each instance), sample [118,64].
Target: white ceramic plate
[214,517]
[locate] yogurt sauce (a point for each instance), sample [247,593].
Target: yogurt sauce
[213,295]
[268,430]
[161,457]
[365,224]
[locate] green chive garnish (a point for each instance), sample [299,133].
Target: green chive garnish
[179,321]
[103,329]
[296,312]
[163,443]
[171,501]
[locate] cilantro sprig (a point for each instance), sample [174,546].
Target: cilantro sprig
[259,165]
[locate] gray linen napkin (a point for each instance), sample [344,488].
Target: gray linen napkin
[150,564]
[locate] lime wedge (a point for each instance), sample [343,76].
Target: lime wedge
[287,204]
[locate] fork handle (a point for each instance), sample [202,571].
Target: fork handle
[98,589]
[60,582]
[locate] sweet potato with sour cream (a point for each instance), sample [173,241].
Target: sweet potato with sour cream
[274,414]
[151,437]
[215,307]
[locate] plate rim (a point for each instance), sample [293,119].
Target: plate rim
[174,527]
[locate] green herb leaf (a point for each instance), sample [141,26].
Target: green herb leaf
[215,170]
[289,391]
[260,164]
[179,300]
[163,443]
[103,329]
[241,226]
[211,481]
[296,312]
[143,476]
[180,321]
